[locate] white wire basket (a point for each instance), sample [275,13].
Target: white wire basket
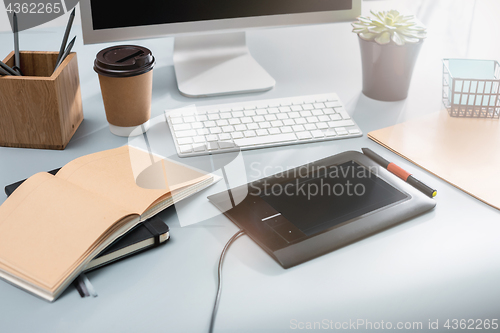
[471,88]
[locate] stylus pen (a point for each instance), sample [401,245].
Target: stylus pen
[66,35]
[8,69]
[401,173]
[17,61]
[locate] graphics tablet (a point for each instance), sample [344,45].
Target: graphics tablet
[313,209]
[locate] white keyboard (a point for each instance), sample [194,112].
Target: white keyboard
[259,124]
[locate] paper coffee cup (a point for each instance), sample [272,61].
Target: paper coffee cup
[126,79]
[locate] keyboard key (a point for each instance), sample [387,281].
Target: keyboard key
[265,124]
[212,137]
[286,129]
[184,134]
[317,134]
[199,139]
[289,122]
[196,125]
[199,147]
[294,115]
[285,109]
[298,128]
[234,121]
[222,122]
[237,135]
[248,134]
[341,131]
[184,141]
[228,129]
[341,123]
[324,118]
[274,131]
[252,126]
[261,132]
[282,116]
[261,112]
[182,127]
[307,106]
[266,139]
[319,105]
[296,108]
[310,127]
[322,125]
[343,113]
[225,136]
[209,123]
[300,121]
[246,120]
[203,131]
[238,114]
[189,119]
[185,148]
[258,119]
[201,118]
[176,121]
[328,111]
[312,119]
[305,113]
[226,115]
[240,127]
[270,117]
[332,104]
[330,132]
[317,112]
[335,117]
[215,130]
[214,116]
[250,107]
[276,123]
[250,113]
[226,145]
[304,135]
[273,110]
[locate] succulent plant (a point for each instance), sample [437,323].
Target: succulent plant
[390,25]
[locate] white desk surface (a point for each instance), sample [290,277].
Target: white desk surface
[442,265]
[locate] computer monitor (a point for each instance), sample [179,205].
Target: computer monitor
[210,53]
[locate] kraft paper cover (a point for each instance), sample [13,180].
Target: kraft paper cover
[465,152]
[50,224]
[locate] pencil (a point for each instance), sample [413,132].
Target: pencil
[66,35]
[17,61]
[8,69]
[66,52]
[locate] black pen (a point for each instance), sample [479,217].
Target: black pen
[66,35]
[17,61]
[8,69]
[401,173]
[3,71]
[66,52]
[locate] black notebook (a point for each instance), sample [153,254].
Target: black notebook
[144,236]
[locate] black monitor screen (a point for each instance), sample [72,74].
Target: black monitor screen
[109,14]
[326,197]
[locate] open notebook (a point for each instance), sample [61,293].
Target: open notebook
[52,226]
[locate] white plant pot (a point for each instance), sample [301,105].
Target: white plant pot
[387,69]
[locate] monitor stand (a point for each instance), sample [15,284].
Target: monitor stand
[217,64]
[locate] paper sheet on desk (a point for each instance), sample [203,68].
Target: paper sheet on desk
[464,152]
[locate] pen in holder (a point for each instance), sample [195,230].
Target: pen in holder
[43,108]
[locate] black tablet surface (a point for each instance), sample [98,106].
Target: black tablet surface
[308,211]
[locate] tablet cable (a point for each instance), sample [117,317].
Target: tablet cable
[219,276]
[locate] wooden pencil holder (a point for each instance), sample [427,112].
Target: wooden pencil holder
[41,109]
